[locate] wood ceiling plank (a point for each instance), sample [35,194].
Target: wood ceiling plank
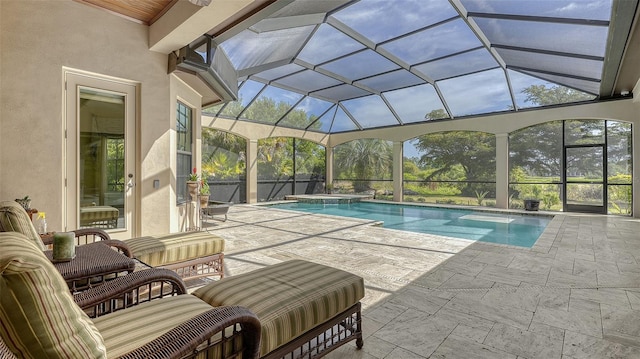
[143,11]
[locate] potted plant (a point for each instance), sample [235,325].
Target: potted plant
[204,193]
[25,202]
[192,183]
[531,204]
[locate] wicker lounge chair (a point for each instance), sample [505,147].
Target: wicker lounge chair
[215,208]
[53,323]
[190,254]
[13,218]
[306,309]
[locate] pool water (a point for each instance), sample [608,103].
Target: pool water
[504,228]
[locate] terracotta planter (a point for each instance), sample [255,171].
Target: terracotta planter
[204,200]
[192,188]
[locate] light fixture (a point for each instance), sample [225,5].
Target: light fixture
[200,2]
[624,92]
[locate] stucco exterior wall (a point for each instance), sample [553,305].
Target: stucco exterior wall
[182,217]
[38,39]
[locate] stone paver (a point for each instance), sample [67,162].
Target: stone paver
[575,294]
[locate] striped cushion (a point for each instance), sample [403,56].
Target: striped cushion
[176,247]
[98,214]
[13,218]
[289,298]
[129,329]
[38,315]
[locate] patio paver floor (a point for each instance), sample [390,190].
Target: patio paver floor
[575,294]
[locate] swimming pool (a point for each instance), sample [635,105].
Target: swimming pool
[504,228]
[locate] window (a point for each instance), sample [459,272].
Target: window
[289,166]
[535,165]
[184,140]
[363,165]
[224,162]
[453,167]
[115,165]
[596,164]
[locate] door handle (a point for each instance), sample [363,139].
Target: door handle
[130,183]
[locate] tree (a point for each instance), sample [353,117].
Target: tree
[223,154]
[310,158]
[555,94]
[537,149]
[436,114]
[473,152]
[275,157]
[619,150]
[364,160]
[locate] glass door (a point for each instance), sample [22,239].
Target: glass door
[101,155]
[585,187]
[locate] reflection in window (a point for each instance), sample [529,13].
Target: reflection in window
[101,168]
[115,166]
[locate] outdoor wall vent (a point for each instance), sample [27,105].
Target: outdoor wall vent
[207,69]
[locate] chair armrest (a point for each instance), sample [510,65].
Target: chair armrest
[188,337]
[83,236]
[130,290]
[121,246]
[90,235]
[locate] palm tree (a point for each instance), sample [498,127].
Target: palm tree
[365,160]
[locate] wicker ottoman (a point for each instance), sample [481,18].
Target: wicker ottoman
[190,254]
[305,309]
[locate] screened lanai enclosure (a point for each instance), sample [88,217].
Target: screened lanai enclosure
[338,69]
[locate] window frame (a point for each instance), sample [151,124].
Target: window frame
[184,149]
